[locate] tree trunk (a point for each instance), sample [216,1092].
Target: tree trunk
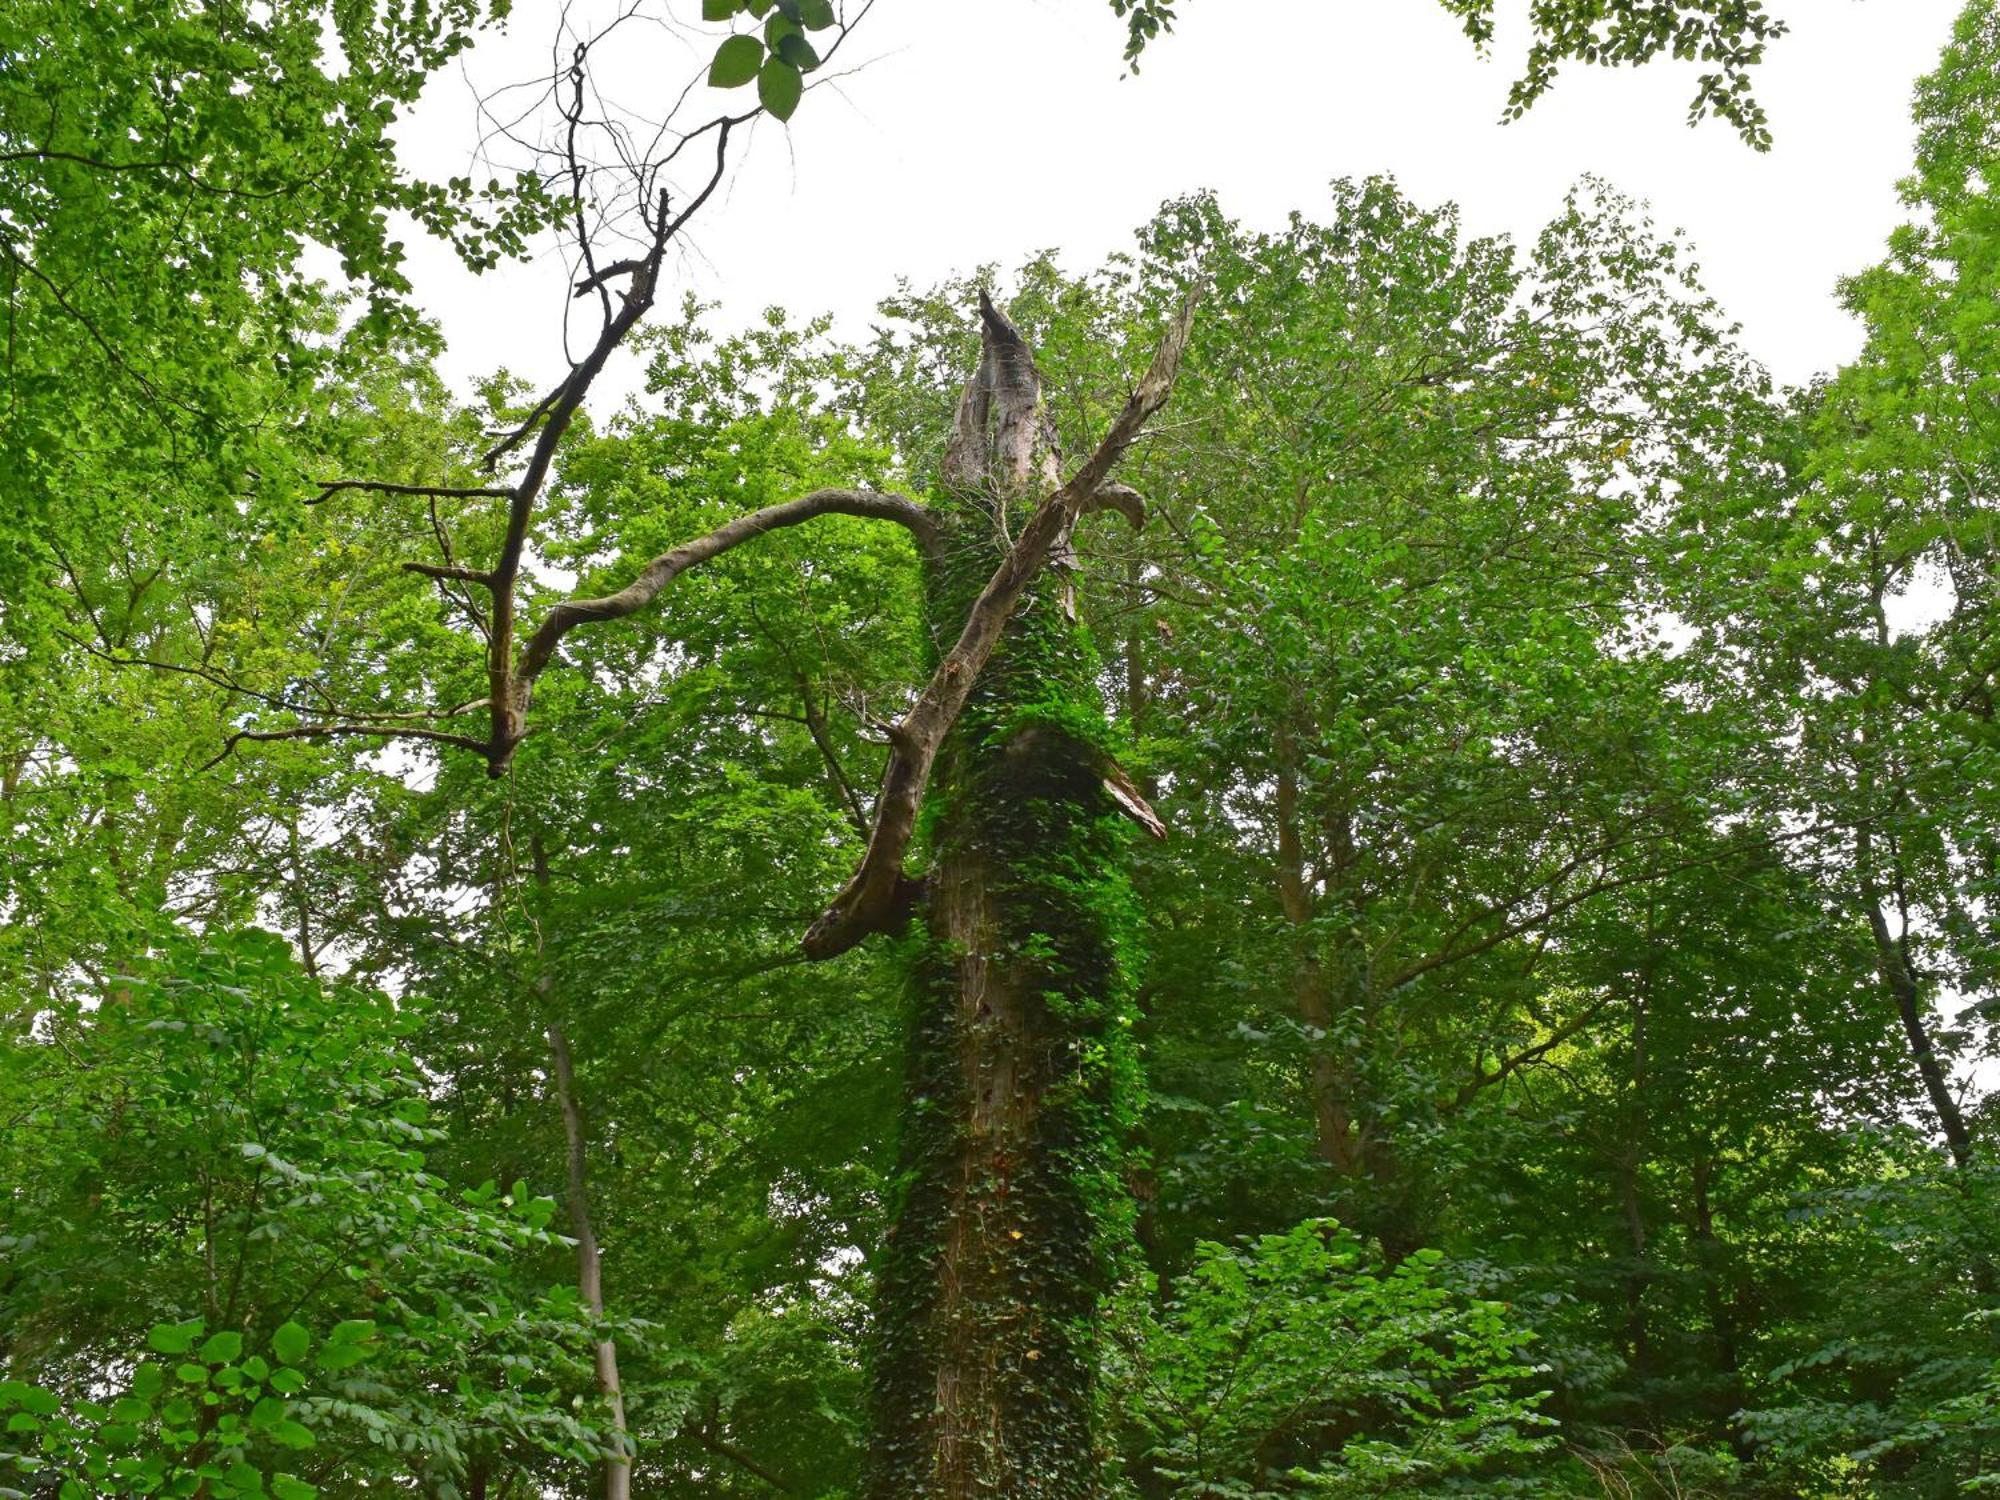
[1628,1166]
[1899,978]
[1328,1082]
[1374,1194]
[1712,1260]
[589,1265]
[1894,963]
[1021,1073]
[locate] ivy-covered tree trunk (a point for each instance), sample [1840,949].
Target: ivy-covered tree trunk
[1021,1073]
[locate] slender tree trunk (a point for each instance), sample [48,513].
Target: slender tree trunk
[1376,1194]
[1894,963]
[1712,1257]
[1631,1211]
[1897,972]
[302,896]
[1328,1081]
[1021,1074]
[1628,1166]
[589,1264]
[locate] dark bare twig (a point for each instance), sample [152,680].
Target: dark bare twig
[329,488]
[436,570]
[333,731]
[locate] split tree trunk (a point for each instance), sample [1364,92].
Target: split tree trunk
[1013,1209]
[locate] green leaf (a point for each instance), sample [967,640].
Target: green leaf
[816,15]
[173,1338]
[719,10]
[291,1434]
[797,51]
[288,1487]
[778,88]
[29,1398]
[735,62]
[291,1343]
[222,1348]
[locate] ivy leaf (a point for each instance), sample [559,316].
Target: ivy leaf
[779,87]
[735,62]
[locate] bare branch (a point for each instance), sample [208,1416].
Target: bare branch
[668,566]
[520,433]
[205,674]
[329,731]
[1483,1079]
[598,277]
[464,575]
[329,488]
[509,688]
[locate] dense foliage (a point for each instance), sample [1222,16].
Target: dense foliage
[1545,1054]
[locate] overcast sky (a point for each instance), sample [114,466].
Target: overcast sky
[984,130]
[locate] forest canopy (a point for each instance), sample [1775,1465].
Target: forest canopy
[1344,858]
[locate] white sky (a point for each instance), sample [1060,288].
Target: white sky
[984,131]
